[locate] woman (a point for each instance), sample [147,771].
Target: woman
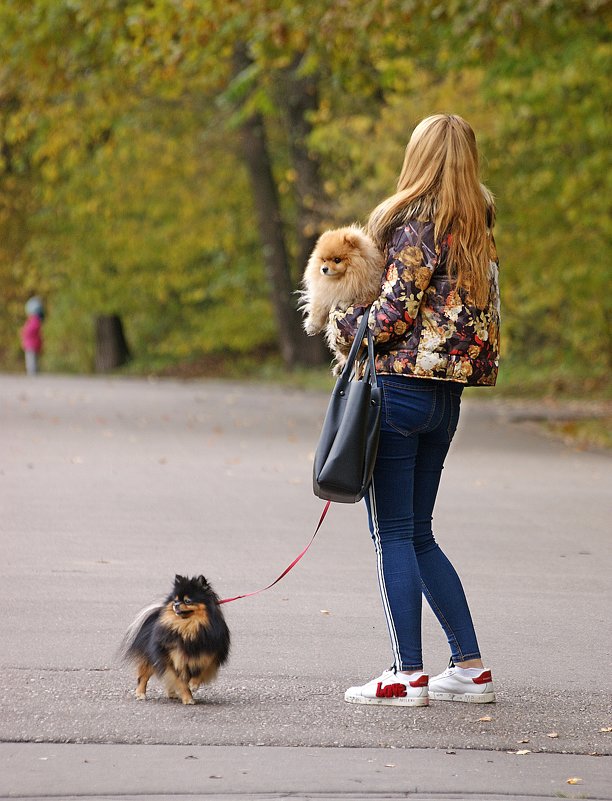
[436,328]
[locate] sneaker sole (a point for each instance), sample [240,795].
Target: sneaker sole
[469,698]
[423,701]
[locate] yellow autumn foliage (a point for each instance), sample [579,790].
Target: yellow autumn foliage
[123,188]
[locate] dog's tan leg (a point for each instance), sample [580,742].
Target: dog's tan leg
[177,688]
[169,682]
[145,671]
[184,693]
[317,318]
[206,675]
[340,362]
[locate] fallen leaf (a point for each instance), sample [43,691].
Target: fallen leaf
[214,776]
[325,612]
[574,780]
[522,741]
[606,728]
[451,753]
[390,765]
[552,734]
[485,719]
[522,752]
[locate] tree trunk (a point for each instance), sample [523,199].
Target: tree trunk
[295,346]
[267,210]
[300,97]
[111,346]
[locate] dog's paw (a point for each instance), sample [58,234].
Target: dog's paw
[338,364]
[310,328]
[140,696]
[188,701]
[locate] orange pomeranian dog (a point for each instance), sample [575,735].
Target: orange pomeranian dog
[345,268]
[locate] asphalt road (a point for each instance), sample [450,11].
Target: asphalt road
[108,487]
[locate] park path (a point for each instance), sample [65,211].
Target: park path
[108,487]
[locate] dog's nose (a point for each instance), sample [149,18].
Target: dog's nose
[324,270]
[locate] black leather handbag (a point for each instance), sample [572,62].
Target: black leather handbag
[346,453]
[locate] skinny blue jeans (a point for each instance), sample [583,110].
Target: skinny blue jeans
[419,419]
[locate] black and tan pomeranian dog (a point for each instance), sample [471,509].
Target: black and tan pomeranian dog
[183,641]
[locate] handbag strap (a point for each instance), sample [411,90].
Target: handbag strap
[362,331]
[370,369]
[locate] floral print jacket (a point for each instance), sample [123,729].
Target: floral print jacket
[423,326]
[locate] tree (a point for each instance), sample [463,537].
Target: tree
[116,114]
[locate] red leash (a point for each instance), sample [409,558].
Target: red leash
[287,569]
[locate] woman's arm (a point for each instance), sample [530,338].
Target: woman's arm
[410,265]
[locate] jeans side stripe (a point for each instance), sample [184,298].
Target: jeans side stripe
[381,581]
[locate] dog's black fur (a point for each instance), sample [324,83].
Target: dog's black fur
[183,641]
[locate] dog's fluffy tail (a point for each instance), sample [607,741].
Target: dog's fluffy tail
[136,626]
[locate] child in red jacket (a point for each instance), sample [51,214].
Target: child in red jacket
[31,335]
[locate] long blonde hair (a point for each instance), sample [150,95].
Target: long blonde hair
[439,181]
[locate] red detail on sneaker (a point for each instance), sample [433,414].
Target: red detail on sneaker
[390,691]
[484,678]
[422,681]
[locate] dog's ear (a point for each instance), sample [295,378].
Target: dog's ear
[202,581]
[178,579]
[352,239]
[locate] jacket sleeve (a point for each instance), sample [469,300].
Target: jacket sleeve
[410,265]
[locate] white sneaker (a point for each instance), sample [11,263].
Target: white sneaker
[391,689]
[473,685]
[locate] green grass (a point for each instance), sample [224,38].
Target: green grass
[595,432]
[563,382]
[263,366]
